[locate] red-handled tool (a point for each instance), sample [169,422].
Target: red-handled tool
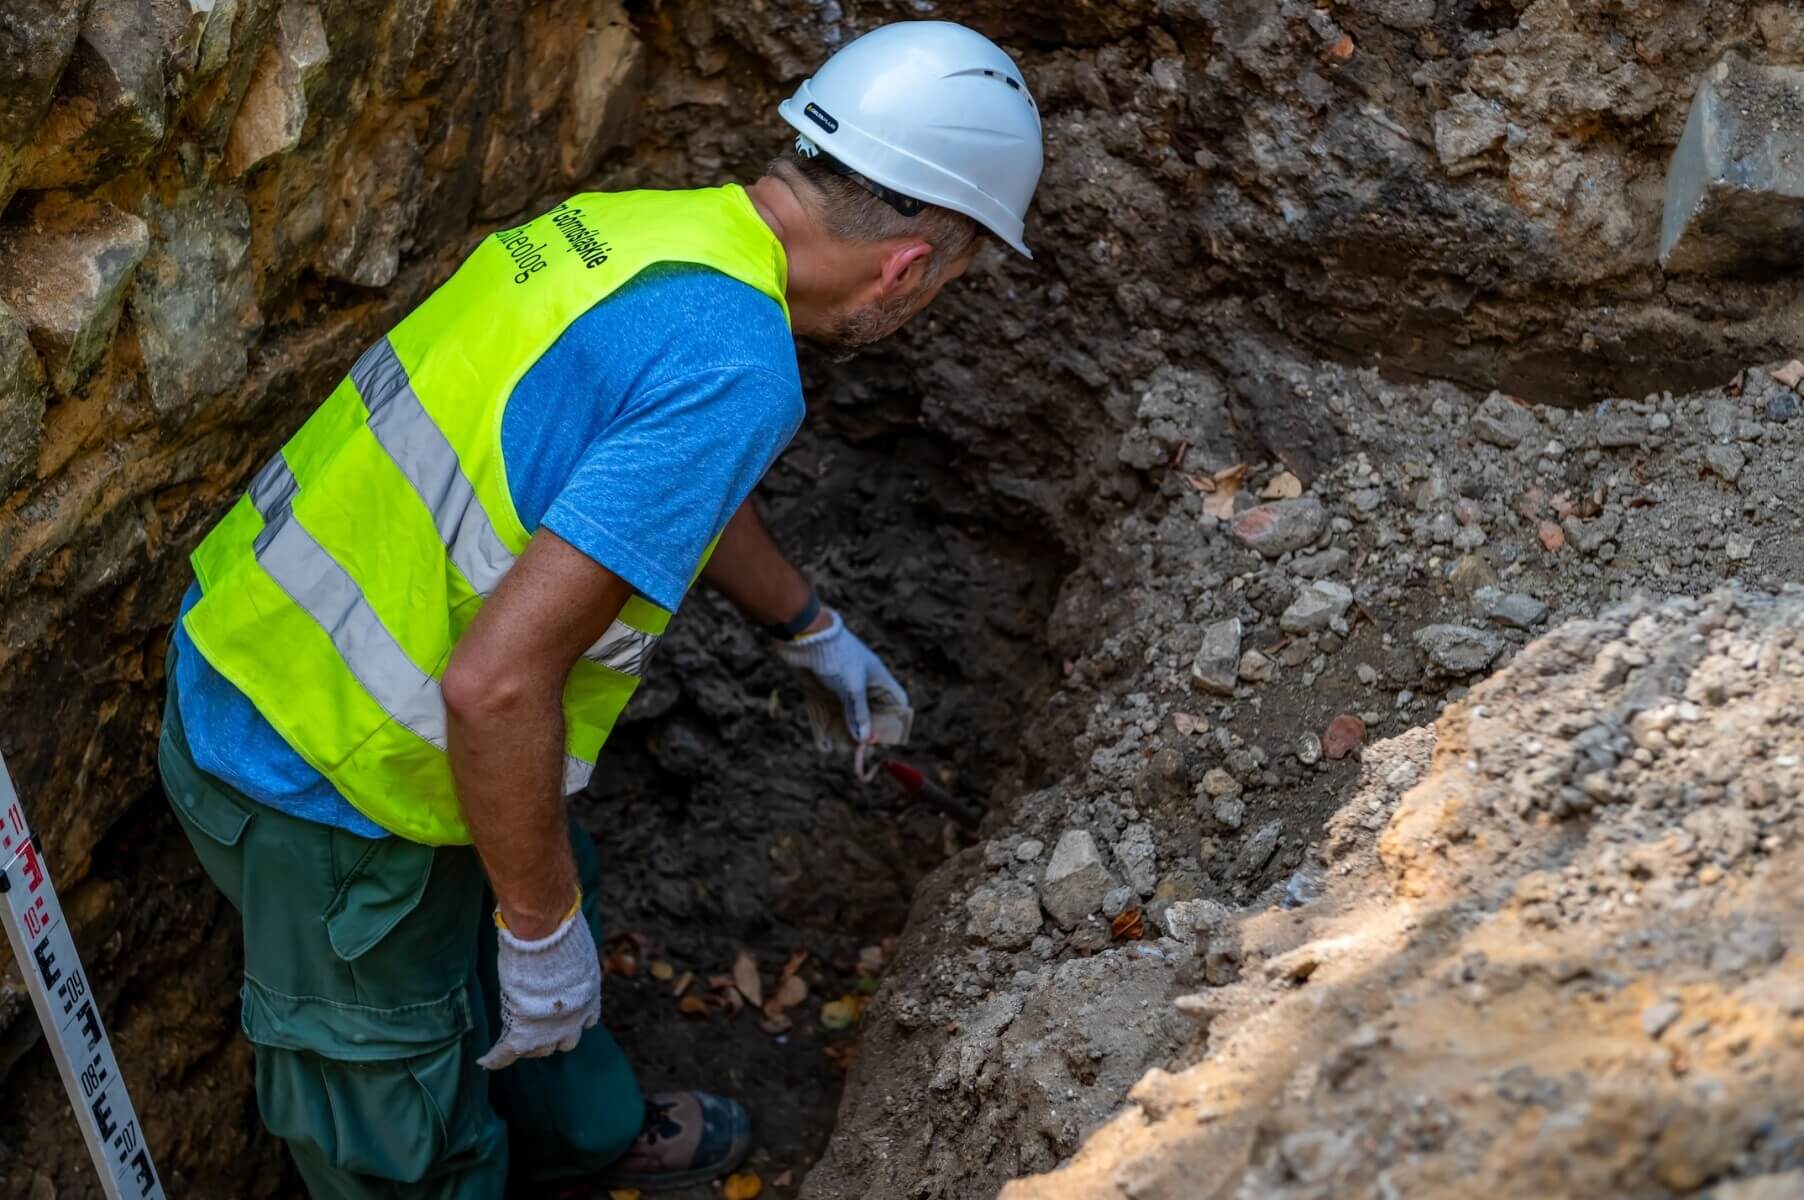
[915,783]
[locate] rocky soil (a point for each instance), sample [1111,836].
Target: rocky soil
[1553,956]
[1395,258]
[1224,677]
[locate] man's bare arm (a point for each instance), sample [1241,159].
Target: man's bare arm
[504,691]
[749,570]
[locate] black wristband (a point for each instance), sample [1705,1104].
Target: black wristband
[785,631]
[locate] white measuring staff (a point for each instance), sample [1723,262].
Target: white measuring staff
[59,989]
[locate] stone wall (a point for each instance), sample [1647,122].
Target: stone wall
[207,208]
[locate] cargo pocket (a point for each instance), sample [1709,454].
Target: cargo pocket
[213,822]
[375,1091]
[384,1085]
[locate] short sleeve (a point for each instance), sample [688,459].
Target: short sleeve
[648,495]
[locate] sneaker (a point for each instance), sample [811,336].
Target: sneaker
[687,1138]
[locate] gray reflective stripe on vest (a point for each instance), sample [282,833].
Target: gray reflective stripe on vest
[414,441]
[576,774]
[623,648]
[314,581]
[323,589]
[406,430]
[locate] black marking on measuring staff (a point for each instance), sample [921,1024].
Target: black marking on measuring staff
[63,997]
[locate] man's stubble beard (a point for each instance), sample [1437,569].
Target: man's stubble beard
[863,327]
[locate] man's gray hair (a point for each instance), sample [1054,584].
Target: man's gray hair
[851,212]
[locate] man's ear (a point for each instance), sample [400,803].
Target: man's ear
[903,266]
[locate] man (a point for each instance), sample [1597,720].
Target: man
[407,643]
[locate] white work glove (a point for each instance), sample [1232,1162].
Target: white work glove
[849,669]
[550,991]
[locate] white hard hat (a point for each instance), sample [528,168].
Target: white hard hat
[933,111]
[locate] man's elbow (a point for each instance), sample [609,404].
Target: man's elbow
[482,686]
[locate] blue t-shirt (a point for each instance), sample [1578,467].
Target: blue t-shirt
[634,438]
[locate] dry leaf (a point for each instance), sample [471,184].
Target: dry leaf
[622,963]
[682,984]
[1129,926]
[742,1187]
[794,964]
[726,992]
[785,1179]
[843,1054]
[870,960]
[843,1012]
[1791,374]
[775,1023]
[791,992]
[745,978]
[1551,535]
[1201,483]
[1342,50]
[694,1006]
[623,1194]
[1734,386]
[662,971]
[1283,486]
[1220,502]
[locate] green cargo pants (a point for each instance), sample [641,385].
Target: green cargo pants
[369,992]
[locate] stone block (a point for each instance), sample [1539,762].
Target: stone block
[1735,186]
[1458,649]
[65,271]
[1076,881]
[1502,422]
[377,198]
[273,115]
[22,396]
[36,39]
[606,79]
[1218,658]
[193,302]
[108,115]
[1469,128]
[1005,914]
[1317,607]
[1282,526]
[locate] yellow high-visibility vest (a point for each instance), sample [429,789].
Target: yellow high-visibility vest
[334,591]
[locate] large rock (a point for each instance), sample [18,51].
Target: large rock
[1218,658]
[22,395]
[378,196]
[606,72]
[1518,610]
[193,303]
[1458,649]
[1735,186]
[1076,881]
[1282,526]
[36,37]
[1316,607]
[274,112]
[1468,129]
[1502,422]
[1005,914]
[108,116]
[65,272]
